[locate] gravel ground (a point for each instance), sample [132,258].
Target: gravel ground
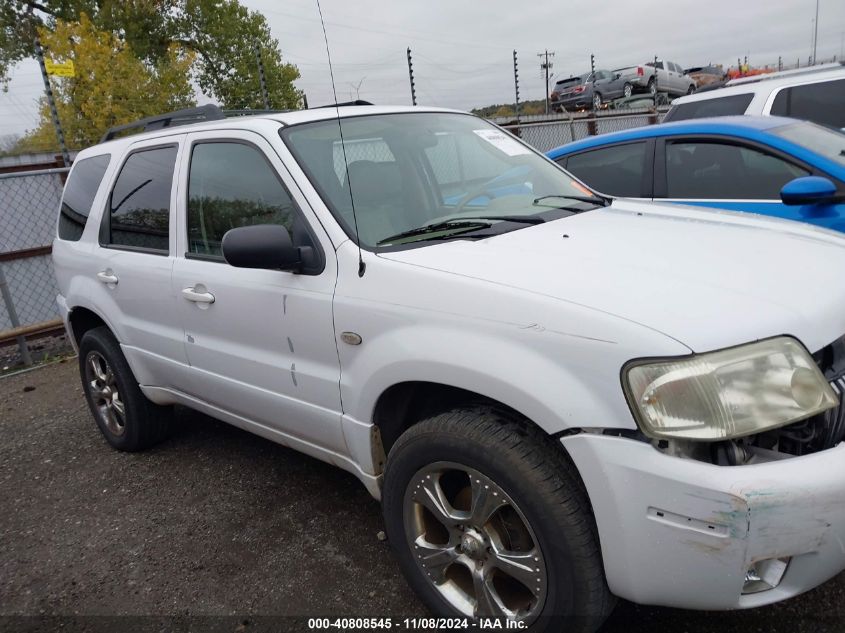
[217,529]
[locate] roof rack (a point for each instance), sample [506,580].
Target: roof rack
[357,102]
[189,116]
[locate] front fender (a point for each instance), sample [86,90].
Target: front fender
[555,362]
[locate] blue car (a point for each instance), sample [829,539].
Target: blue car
[768,165]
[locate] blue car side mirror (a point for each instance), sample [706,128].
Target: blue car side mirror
[808,190]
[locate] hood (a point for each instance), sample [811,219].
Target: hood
[708,279]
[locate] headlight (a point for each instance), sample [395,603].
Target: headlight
[729,393]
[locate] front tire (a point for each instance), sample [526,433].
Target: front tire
[489,519]
[127,420]
[652,86]
[597,101]
[691,89]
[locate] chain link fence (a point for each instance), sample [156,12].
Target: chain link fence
[28,205]
[546,135]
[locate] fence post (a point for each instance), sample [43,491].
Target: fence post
[13,318]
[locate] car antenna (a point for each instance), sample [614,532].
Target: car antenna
[362,267]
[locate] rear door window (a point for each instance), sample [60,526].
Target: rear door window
[822,103]
[719,106]
[722,171]
[139,207]
[80,190]
[616,170]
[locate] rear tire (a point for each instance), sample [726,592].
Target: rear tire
[627,90]
[127,420]
[453,541]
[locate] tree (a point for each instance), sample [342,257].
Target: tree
[111,85]
[221,33]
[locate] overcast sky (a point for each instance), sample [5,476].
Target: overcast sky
[462,50]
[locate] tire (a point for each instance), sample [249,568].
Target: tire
[627,90]
[537,488]
[597,101]
[652,86]
[691,89]
[127,420]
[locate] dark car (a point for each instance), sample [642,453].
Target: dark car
[589,90]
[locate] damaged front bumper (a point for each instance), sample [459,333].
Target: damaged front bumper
[683,533]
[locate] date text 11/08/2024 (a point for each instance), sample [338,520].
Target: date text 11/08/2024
[414,624]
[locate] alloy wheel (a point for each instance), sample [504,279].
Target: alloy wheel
[473,543]
[100,380]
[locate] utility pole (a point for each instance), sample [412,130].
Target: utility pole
[593,78]
[411,77]
[516,84]
[816,32]
[51,100]
[780,63]
[261,80]
[545,66]
[655,82]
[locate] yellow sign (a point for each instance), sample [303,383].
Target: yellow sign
[59,69]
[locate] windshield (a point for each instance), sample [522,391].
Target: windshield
[821,140]
[409,170]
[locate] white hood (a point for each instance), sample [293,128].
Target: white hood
[708,279]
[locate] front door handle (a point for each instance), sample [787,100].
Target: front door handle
[197,295]
[107,276]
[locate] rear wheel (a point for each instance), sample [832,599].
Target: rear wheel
[127,420]
[627,90]
[489,519]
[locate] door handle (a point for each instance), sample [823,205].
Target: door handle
[191,294]
[107,276]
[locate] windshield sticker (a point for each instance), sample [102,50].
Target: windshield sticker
[503,142]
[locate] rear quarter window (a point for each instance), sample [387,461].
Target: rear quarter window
[81,188]
[822,103]
[718,106]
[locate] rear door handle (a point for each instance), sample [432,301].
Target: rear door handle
[107,276]
[191,294]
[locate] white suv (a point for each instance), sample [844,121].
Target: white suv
[814,94]
[559,398]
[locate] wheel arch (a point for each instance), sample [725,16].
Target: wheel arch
[82,319]
[404,404]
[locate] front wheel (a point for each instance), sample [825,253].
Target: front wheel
[489,519]
[691,89]
[597,101]
[652,86]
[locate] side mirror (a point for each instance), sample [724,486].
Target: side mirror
[617,76]
[808,190]
[261,246]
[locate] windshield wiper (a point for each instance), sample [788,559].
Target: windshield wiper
[463,225]
[459,226]
[601,200]
[522,219]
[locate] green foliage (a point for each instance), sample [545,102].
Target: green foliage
[509,109]
[217,37]
[111,85]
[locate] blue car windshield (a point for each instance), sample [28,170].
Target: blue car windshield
[410,170]
[821,140]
